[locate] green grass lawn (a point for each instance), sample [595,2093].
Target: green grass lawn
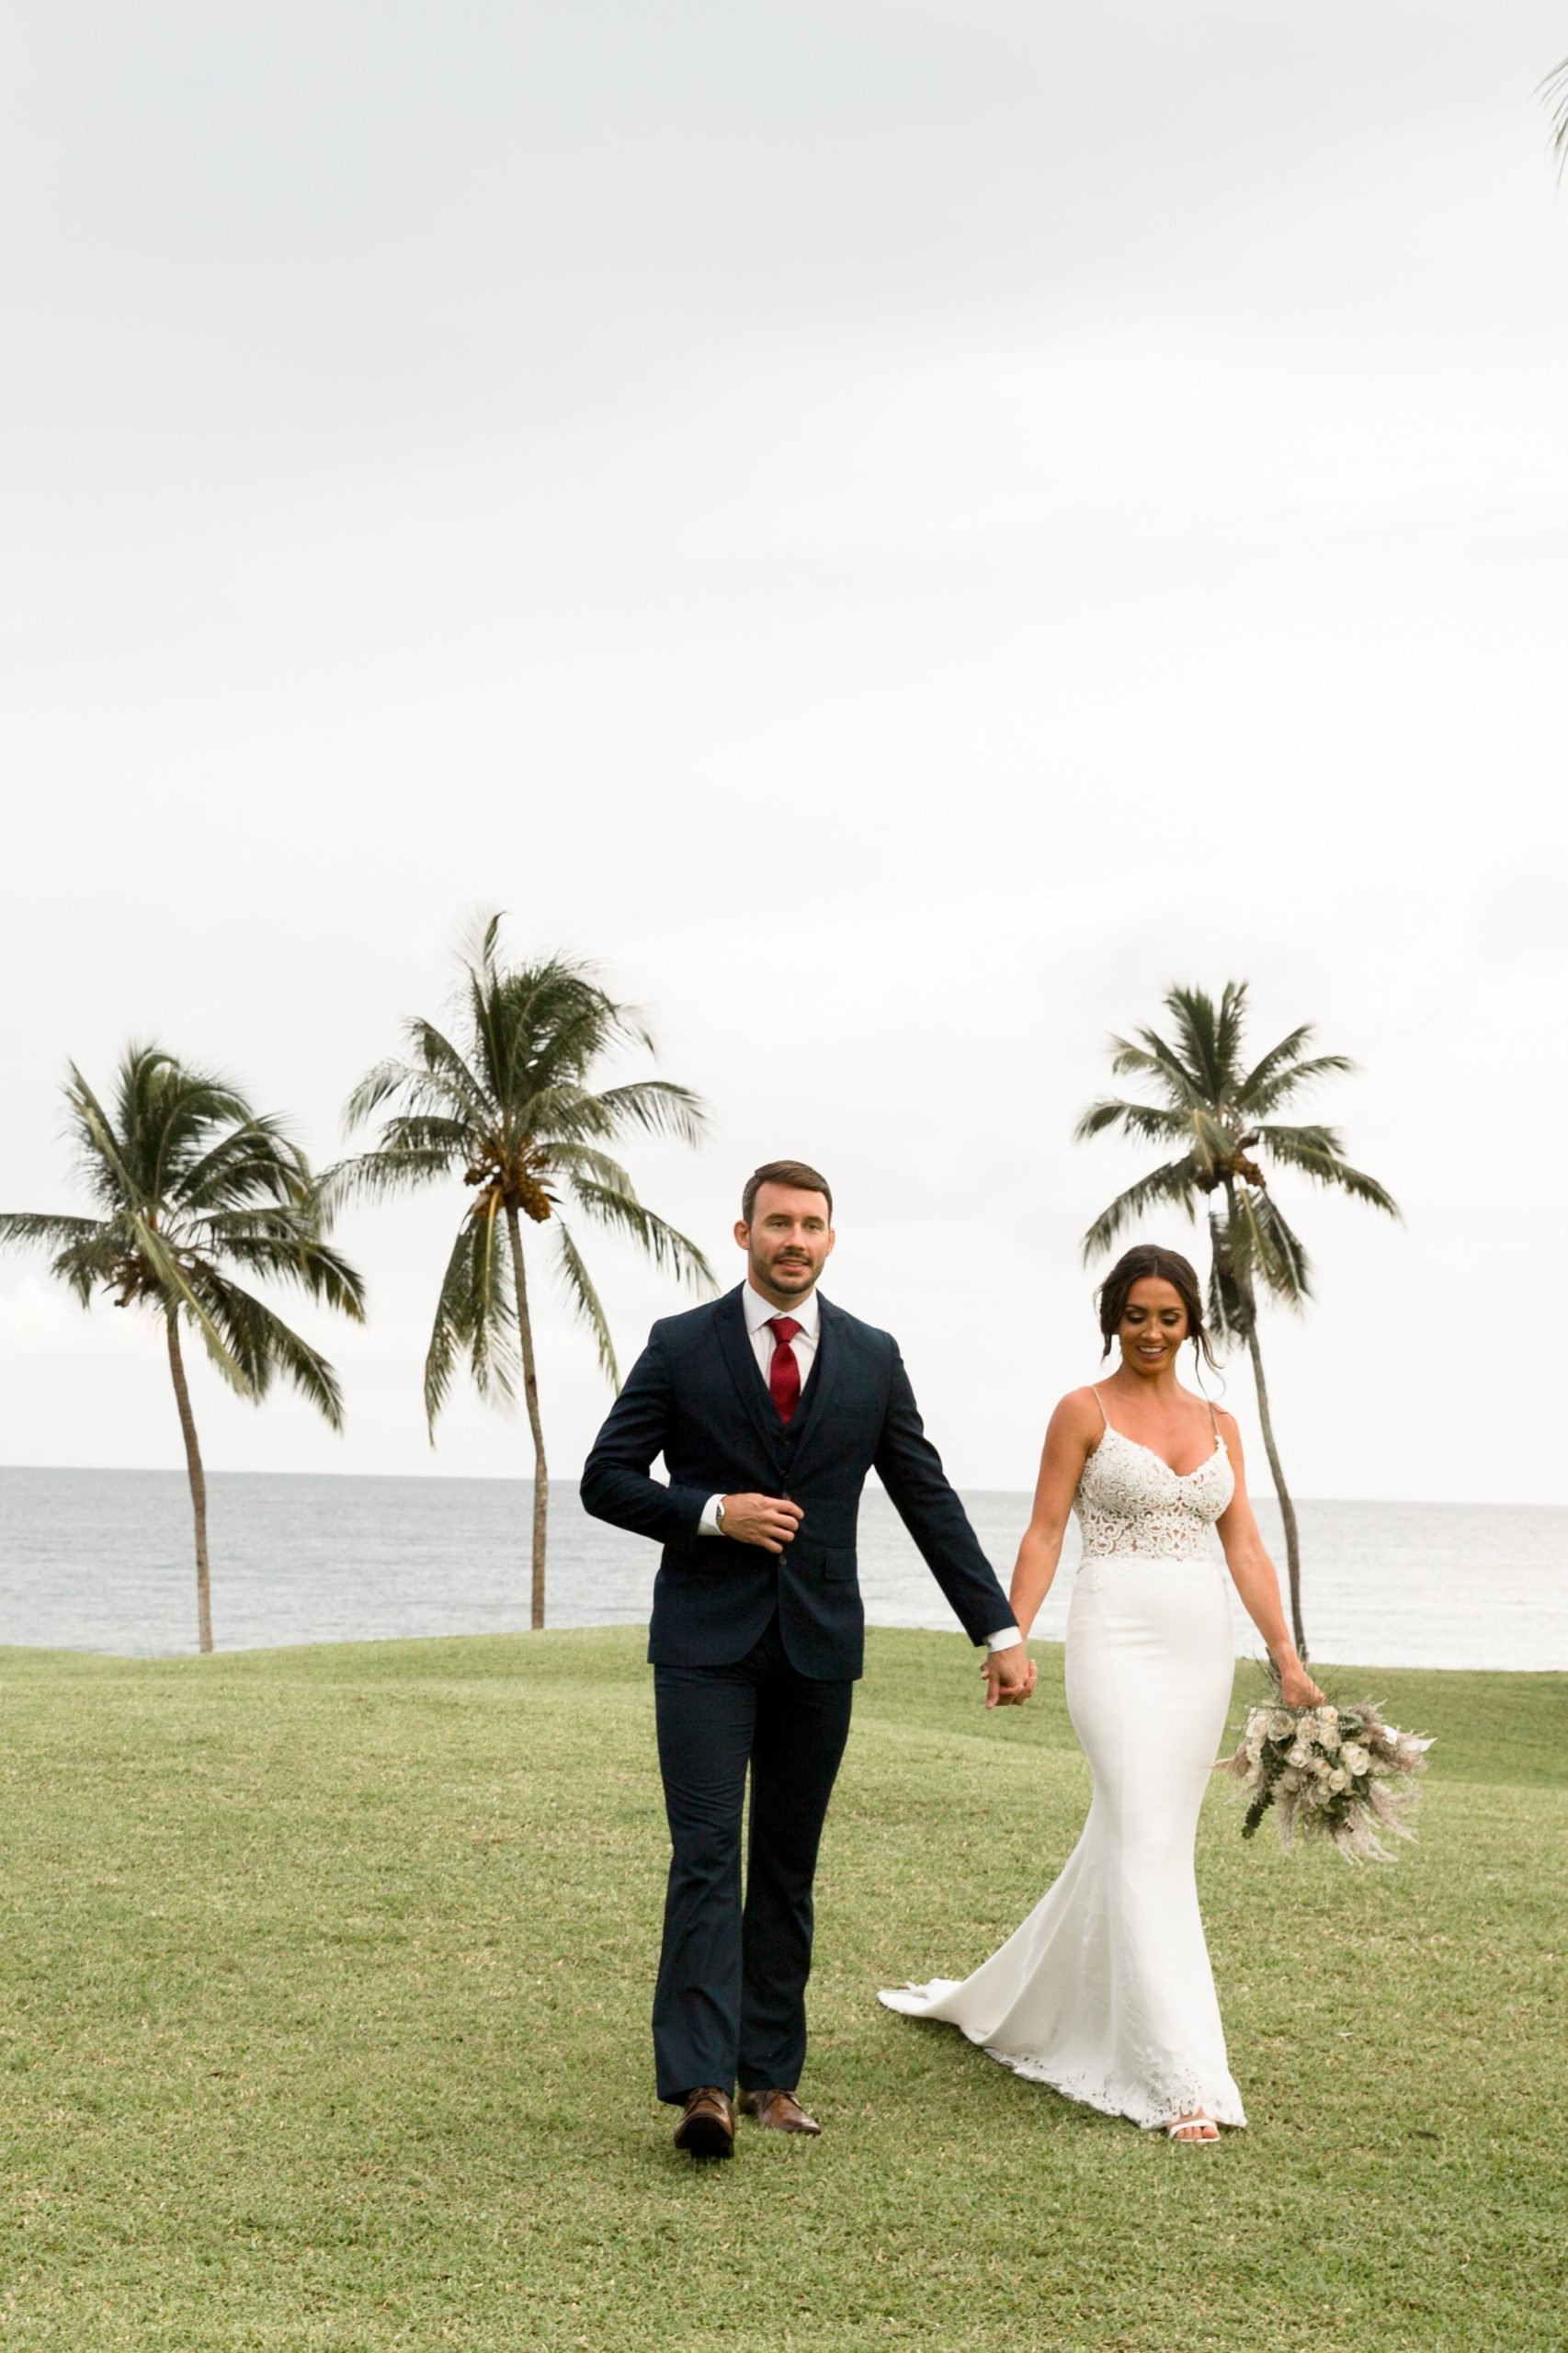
[324,2008]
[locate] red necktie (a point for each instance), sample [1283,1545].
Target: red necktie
[784,1372]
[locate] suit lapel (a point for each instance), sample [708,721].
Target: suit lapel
[735,1341]
[824,1372]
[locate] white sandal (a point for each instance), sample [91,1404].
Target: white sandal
[1185,2129]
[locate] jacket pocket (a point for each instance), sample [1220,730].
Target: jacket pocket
[833,1562]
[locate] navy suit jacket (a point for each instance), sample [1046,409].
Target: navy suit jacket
[696,1396]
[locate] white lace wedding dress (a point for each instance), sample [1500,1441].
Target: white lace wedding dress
[1105,1991]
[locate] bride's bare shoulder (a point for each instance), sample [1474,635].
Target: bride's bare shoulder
[1077,1416]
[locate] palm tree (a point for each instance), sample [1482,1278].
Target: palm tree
[1214,1115]
[189,1180]
[508,1104]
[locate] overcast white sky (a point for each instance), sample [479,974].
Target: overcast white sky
[903,529]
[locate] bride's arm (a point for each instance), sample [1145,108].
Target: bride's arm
[1070,1439]
[1257,1581]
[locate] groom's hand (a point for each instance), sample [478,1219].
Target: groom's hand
[768,1520]
[1009,1676]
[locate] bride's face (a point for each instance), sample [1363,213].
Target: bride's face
[1152,1325]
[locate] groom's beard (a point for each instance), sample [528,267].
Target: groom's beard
[793,1277]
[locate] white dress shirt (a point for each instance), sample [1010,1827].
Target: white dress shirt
[759,1312]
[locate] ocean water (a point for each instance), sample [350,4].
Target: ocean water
[102,1560]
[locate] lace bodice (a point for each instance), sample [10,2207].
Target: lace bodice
[1131,1503]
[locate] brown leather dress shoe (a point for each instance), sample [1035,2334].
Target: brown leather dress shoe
[777,2112]
[707,2127]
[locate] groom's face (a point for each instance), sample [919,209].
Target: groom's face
[788,1243]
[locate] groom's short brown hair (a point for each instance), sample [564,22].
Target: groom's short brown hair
[793,1173]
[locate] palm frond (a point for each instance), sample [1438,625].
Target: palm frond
[86,1264]
[454,1318]
[37,1228]
[1228,1024]
[279,1222]
[375,1175]
[168,1113]
[1292,1080]
[493,1337]
[474,1316]
[301,1259]
[666,1247]
[442,1066]
[1318,1153]
[88,1250]
[377,1086]
[1262,1245]
[1277,1059]
[179,1286]
[1151,1123]
[1150,1056]
[1172,1186]
[264,1346]
[575,1160]
[659,1106]
[563,1108]
[433,1133]
[540,1025]
[1554,90]
[578,1285]
[257,1157]
[436,1080]
[100,1160]
[1232,1312]
[1212,1035]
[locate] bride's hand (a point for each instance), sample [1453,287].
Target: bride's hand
[1296,1685]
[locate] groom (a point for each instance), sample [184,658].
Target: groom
[769,1406]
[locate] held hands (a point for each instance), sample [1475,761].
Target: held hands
[768,1520]
[1010,1676]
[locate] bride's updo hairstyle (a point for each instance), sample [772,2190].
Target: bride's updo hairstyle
[1135,1266]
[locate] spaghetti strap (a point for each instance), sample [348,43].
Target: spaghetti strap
[1214,1418]
[1100,1401]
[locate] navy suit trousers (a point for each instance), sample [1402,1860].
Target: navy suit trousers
[730,2000]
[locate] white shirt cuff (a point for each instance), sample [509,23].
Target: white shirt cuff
[708,1523]
[1003,1639]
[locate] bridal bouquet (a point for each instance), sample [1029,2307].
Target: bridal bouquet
[1328,1772]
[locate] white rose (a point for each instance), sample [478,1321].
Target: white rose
[1356,1758]
[1281,1725]
[1321,1768]
[1328,1737]
[1328,1716]
[1338,1780]
[1297,1756]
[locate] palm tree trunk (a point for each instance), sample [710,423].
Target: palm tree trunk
[198,1483]
[1287,1508]
[1242,1277]
[530,1394]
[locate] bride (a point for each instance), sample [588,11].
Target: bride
[1105,1991]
